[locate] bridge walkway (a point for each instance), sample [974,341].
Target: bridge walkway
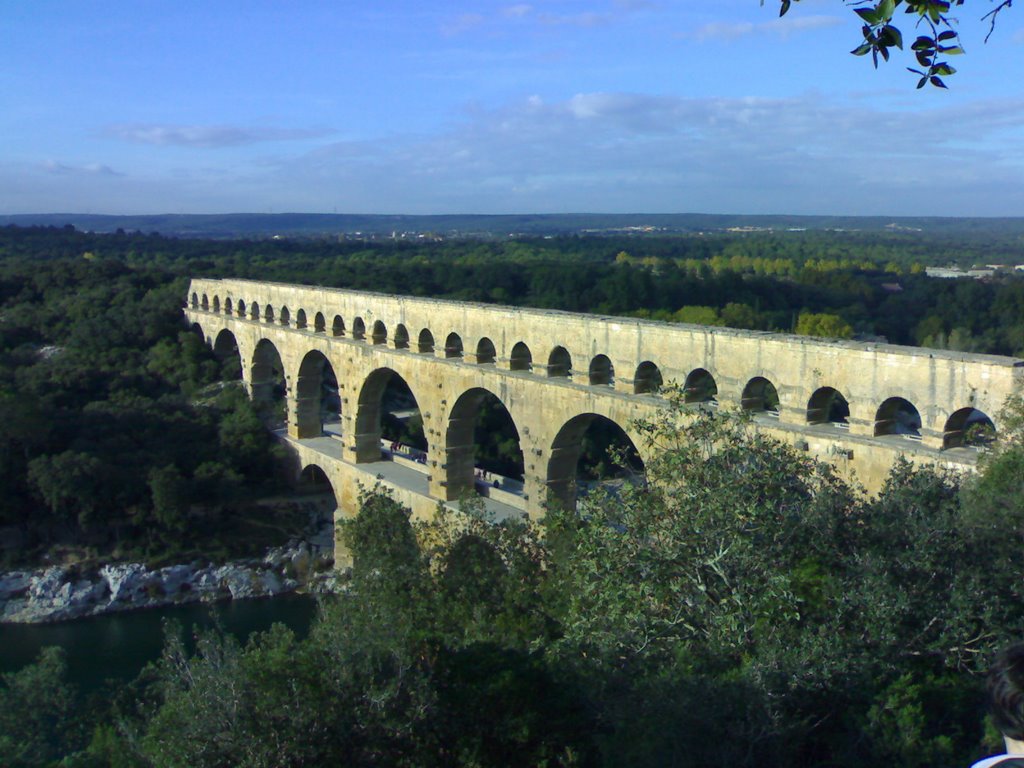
[401,475]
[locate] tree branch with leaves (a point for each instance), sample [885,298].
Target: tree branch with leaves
[939,38]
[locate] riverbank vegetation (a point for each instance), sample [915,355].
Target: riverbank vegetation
[744,606]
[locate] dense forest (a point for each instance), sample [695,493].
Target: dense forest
[744,606]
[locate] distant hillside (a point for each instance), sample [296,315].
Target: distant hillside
[259,225]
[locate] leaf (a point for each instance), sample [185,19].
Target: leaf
[890,36]
[947,35]
[923,44]
[943,69]
[922,81]
[870,15]
[886,8]
[952,50]
[937,82]
[784,7]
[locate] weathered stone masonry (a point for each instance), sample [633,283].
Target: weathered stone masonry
[858,405]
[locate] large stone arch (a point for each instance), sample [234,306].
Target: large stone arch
[225,347]
[315,482]
[968,428]
[367,437]
[460,444]
[267,381]
[317,401]
[565,452]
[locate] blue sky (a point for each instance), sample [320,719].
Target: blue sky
[713,106]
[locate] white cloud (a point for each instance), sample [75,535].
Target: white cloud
[520,11]
[608,151]
[88,169]
[205,136]
[461,24]
[782,27]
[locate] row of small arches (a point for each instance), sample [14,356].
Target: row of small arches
[601,372]
[895,416]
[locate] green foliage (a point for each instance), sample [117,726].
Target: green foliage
[824,325]
[880,35]
[170,497]
[38,723]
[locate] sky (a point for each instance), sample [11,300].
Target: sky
[426,107]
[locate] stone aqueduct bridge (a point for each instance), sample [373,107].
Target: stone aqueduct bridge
[858,405]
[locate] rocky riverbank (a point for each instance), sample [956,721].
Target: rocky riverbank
[62,592]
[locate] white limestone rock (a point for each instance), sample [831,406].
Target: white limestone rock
[15,584]
[125,581]
[46,583]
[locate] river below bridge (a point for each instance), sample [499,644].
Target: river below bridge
[119,645]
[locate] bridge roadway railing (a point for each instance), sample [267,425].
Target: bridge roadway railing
[856,404]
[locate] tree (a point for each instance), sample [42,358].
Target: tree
[941,39]
[823,324]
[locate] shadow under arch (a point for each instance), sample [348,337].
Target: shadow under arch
[521,358]
[602,372]
[316,487]
[828,406]
[897,416]
[968,428]
[760,396]
[572,455]
[425,343]
[560,364]
[700,387]
[481,434]
[387,408]
[268,382]
[225,347]
[647,380]
[401,336]
[316,394]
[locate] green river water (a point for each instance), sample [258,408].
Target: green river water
[119,645]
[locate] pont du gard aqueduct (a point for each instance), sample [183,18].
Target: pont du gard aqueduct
[332,353]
